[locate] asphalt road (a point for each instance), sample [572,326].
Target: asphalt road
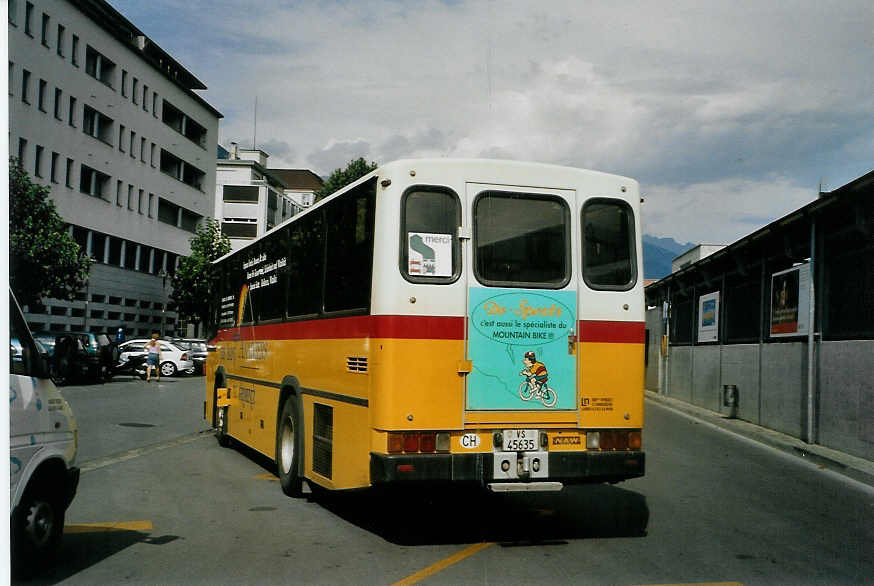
[166,505]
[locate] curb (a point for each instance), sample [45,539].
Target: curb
[858,469]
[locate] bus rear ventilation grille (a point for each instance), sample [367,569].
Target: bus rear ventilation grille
[356,363]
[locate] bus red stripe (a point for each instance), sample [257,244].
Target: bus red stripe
[414,327]
[616,332]
[365,326]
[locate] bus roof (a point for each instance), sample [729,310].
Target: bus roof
[484,165]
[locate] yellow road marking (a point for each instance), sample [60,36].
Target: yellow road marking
[266,476]
[105,527]
[699,584]
[442,565]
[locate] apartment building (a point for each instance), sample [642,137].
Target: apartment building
[251,199]
[113,125]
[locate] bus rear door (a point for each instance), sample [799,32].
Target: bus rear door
[522,305]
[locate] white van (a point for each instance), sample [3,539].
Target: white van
[43,439]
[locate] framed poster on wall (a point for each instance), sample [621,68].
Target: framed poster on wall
[708,317]
[790,302]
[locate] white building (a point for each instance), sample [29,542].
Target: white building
[112,124]
[251,199]
[693,255]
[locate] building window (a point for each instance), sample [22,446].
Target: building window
[141,201]
[240,193]
[121,137]
[240,230]
[170,213]
[44,31]
[183,124]
[72,113]
[9,78]
[68,174]
[119,200]
[97,125]
[151,204]
[179,169]
[74,51]
[123,83]
[154,104]
[152,155]
[60,40]
[22,151]
[37,161]
[145,101]
[28,19]
[13,12]
[58,98]
[53,170]
[133,144]
[98,66]
[25,86]
[130,196]
[41,96]
[93,182]
[143,150]
[134,90]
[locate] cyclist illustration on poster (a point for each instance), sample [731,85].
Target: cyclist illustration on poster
[528,326]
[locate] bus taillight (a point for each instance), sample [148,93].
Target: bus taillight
[413,442]
[614,439]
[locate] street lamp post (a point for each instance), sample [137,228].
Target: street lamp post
[163,274]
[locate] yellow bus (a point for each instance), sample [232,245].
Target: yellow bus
[440,321]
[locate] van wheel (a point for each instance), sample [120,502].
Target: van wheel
[37,526]
[287,449]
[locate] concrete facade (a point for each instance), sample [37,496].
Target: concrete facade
[112,125]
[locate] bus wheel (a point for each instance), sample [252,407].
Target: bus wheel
[287,453]
[221,427]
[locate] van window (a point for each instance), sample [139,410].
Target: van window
[429,252]
[608,245]
[521,240]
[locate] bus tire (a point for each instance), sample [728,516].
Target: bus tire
[288,449]
[221,427]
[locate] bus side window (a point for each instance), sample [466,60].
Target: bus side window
[608,245]
[429,248]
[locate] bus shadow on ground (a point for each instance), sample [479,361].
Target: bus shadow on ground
[80,551]
[413,517]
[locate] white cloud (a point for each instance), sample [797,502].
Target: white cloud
[690,98]
[720,212]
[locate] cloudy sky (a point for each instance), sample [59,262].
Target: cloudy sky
[730,114]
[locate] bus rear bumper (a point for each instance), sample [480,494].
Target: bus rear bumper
[564,467]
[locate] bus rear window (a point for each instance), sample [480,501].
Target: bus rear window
[429,236]
[608,245]
[521,240]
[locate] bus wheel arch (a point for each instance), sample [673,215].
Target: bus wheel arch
[289,428]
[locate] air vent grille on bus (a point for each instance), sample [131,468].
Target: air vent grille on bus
[323,439]
[356,363]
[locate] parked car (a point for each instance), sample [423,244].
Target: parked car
[82,355]
[173,358]
[47,339]
[42,451]
[196,352]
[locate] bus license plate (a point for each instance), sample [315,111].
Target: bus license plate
[520,440]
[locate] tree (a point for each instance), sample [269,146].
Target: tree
[195,280]
[44,259]
[342,177]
